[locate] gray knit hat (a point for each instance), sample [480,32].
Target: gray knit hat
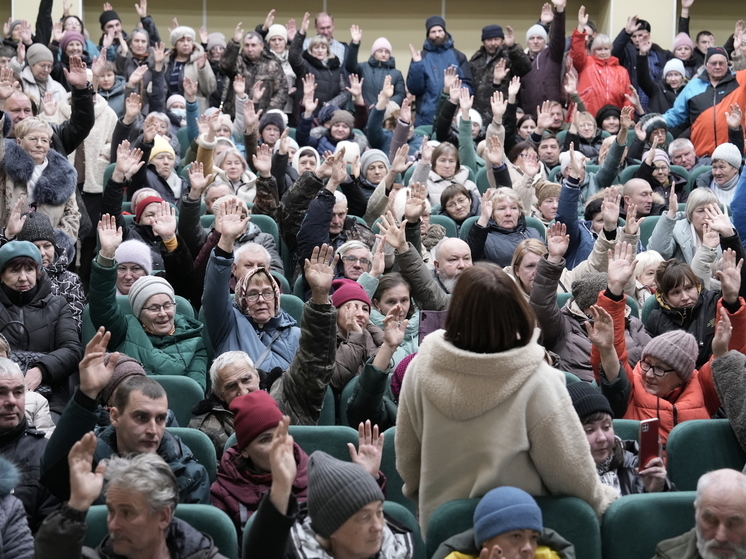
[678,349]
[38,53]
[37,227]
[336,491]
[652,122]
[586,289]
[144,288]
[729,153]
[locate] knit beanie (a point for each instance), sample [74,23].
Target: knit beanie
[564,159]
[107,16]
[660,155]
[126,367]
[144,288]
[144,203]
[652,122]
[253,414]
[588,400]
[474,116]
[38,53]
[503,510]
[644,25]
[347,290]
[277,30]
[434,21]
[712,51]
[340,115]
[586,289]
[492,32]
[534,30]
[160,145]
[352,150]
[13,25]
[69,37]
[381,43]
[135,252]
[605,112]
[682,40]
[370,157]
[729,153]
[674,65]
[216,39]
[180,32]
[546,189]
[336,491]
[37,227]
[271,118]
[14,249]
[677,349]
[175,99]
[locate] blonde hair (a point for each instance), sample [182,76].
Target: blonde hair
[33,124]
[504,193]
[645,260]
[320,40]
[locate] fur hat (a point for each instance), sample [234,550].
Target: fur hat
[341,115]
[652,122]
[536,29]
[381,43]
[14,249]
[253,414]
[347,290]
[586,289]
[37,227]
[492,32]
[674,65]
[605,112]
[180,32]
[729,153]
[144,288]
[126,367]
[276,30]
[135,252]
[271,118]
[336,491]
[677,349]
[371,156]
[503,510]
[682,40]
[161,145]
[215,39]
[107,16]
[38,53]
[546,189]
[588,400]
[69,37]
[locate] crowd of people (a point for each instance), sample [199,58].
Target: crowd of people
[497,254]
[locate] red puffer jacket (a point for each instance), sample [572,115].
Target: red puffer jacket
[600,82]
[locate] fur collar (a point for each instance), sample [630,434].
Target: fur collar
[57,182]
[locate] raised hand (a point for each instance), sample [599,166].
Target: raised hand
[251,117]
[257,91]
[292,29]
[486,208]
[309,95]
[405,114]
[718,221]
[164,223]
[150,131]
[238,32]
[128,162]
[370,448]
[465,102]
[57,32]
[499,105]
[282,465]
[132,108]
[673,203]
[356,86]
[136,76]
[734,118]
[356,33]
[449,74]
[190,89]
[576,168]
[601,328]
[513,88]
[558,242]
[49,104]
[621,267]
[94,375]
[159,55]
[263,161]
[495,552]
[319,272]
[350,320]
[571,84]
[415,205]
[85,484]
[197,179]
[416,55]
[509,36]
[109,237]
[582,19]
[304,23]
[625,119]
[633,224]
[15,223]
[394,234]
[203,35]
[7,83]
[645,47]
[76,76]
[239,85]
[632,25]
[400,163]
[634,98]
[234,222]
[495,151]
[26,37]
[142,9]
[455,92]
[730,276]
[174,24]
[547,15]
[710,237]
[499,72]
[108,39]
[426,150]
[610,208]
[723,334]
[269,20]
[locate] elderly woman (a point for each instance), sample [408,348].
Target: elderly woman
[164,341]
[500,227]
[36,77]
[673,381]
[656,169]
[38,325]
[481,389]
[727,161]
[459,203]
[43,178]
[65,45]
[439,168]
[526,172]
[585,135]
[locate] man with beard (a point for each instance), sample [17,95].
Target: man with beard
[720,513]
[425,78]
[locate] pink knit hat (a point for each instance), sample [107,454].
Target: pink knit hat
[682,39]
[381,43]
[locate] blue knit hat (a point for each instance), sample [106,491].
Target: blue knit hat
[14,249]
[503,510]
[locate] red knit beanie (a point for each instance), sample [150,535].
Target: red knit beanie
[144,203]
[348,290]
[253,414]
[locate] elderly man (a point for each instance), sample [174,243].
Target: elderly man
[23,445]
[138,426]
[232,374]
[720,514]
[256,64]
[324,24]
[141,497]
[681,152]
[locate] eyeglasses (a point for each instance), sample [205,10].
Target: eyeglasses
[663,167]
[165,307]
[657,371]
[267,295]
[458,201]
[354,259]
[47,67]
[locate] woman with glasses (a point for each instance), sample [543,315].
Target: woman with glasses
[656,169]
[673,380]
[164,341]
[459,203]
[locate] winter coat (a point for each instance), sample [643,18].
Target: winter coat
[203,77]
[214,419]
[544,80]
[54,192]
[463,546]
[380,138]
[482,67]
[425,78]
[51,330]
[436,184]
[680,547]
[24,446]
[504,418]
[727,373]
[353,351]
[81,416]
[16,541]
[67,285]
[32,89]
[626,52]
[600,82]
[181,353]
[497,244]
[231,330]
[672,238]
[62,536]
[661,95]
[374,72]
[645,171]
[325,142]
[239,489]
[115,96]
[273,535]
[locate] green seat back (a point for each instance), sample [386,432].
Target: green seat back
[267,225]
[679,170]
[634,525]
[687,458]
[590,168]
[572,518]
[627,429]
[183,393]
[628,173]
[298,288]
[292,305]
[563,298]
[207,220]
[552,177]
[693,175]
[127,207]
[344,400]
[394,482]
[646,228]
[482,181]
[207,519]
[328,415]
[408,174]
[561,135]
[650,304]
[425,130]
[128,219]
[332,439]
[445,221]
[466,227]
[184,173]
[201,446]
[183,137]
[536,224]
[570,378]
[284,285]
[108,172]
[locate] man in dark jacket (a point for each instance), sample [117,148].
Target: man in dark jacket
[142,494]
[488,70]
[138,426]
[23,445]
[425,78]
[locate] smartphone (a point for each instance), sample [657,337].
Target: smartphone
[649,442]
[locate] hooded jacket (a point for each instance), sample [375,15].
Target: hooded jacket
[374,72]
[16,541]
[214,419]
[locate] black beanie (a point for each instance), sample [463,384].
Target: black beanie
[607,111]
[106,17]
[492,32]
[644,25]
[432,21]
[712,51]
[37,227]
[588,400]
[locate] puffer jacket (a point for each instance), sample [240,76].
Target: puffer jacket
[67,285]
[600,82]
[672,238]
[497,244]
[374,72]
[462,546]
[182,353]
[16,541]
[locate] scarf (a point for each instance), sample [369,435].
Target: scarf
[609,476]
[726,191]
[35,176]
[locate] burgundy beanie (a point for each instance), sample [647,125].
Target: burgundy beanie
[69,37]
[144,203]
[348,290]
[253,414]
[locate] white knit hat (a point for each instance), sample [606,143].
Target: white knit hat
[536,30]
[674,65]
[135,252]
[729,153]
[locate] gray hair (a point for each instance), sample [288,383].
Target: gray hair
[339,197]
[225,359]
[697,198]
[679,144]
[147,474]
[10,369]
[353,245]
[254,35]
[645,259]
[600,40]
[436,248]
[723,476]
[160,116]
[252,247]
